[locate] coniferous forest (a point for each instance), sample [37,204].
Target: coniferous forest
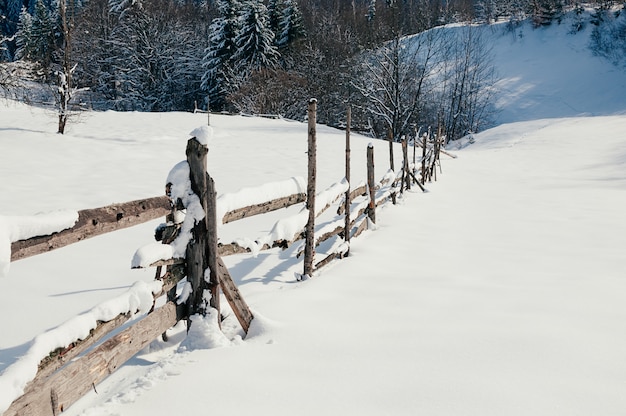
[272,56]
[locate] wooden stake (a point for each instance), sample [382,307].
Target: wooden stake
[424,144]
[371,184]
[309,247]
[390,139]
[198,249]
[347,197]
[406,179]
[415,144]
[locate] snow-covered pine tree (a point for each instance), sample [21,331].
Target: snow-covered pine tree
[543,12]
[291,26]
[24,36]
[484,11]
[218,78]
[43,36]
[255,40]
[121,6]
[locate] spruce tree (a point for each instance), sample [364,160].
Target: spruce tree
[291,26]
[24,37]
[255,40]
[43,36]
[218,78]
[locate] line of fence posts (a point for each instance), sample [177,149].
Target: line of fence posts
[203,266]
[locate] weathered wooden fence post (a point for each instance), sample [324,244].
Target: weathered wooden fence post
[415,144]
[202,250]
[406,179]
[390,139]
[309,246]
[424,144]
[347,201]
[440,142]
[391,164]
[371,185]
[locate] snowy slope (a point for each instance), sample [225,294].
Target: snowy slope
[500,291]
[551,72]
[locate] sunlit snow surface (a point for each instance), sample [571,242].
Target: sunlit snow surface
[498,292]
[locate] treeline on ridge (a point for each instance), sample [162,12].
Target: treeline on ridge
[268,56]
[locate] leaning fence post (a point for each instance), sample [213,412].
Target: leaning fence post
[201,255]
[371,186]
[309,246]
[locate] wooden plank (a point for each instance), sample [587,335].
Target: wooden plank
[361,227]
[326,260]
[338,230]
[234,248]
[264,207]
[94,222]
[53,395]
[168,262]
[234,298]
[360,191]
[62,356]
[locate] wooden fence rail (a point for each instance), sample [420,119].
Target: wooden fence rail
[97,221]
[94,222]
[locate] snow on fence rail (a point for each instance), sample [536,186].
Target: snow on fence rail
[188,248]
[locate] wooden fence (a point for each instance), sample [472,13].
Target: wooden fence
[68,373]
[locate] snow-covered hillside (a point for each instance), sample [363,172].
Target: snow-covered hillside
[498,292]
[551,72]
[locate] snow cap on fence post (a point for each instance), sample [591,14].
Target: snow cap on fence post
[203,134]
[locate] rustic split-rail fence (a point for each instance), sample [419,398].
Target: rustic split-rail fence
[68,373]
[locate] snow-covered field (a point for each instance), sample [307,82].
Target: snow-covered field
[498,292]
